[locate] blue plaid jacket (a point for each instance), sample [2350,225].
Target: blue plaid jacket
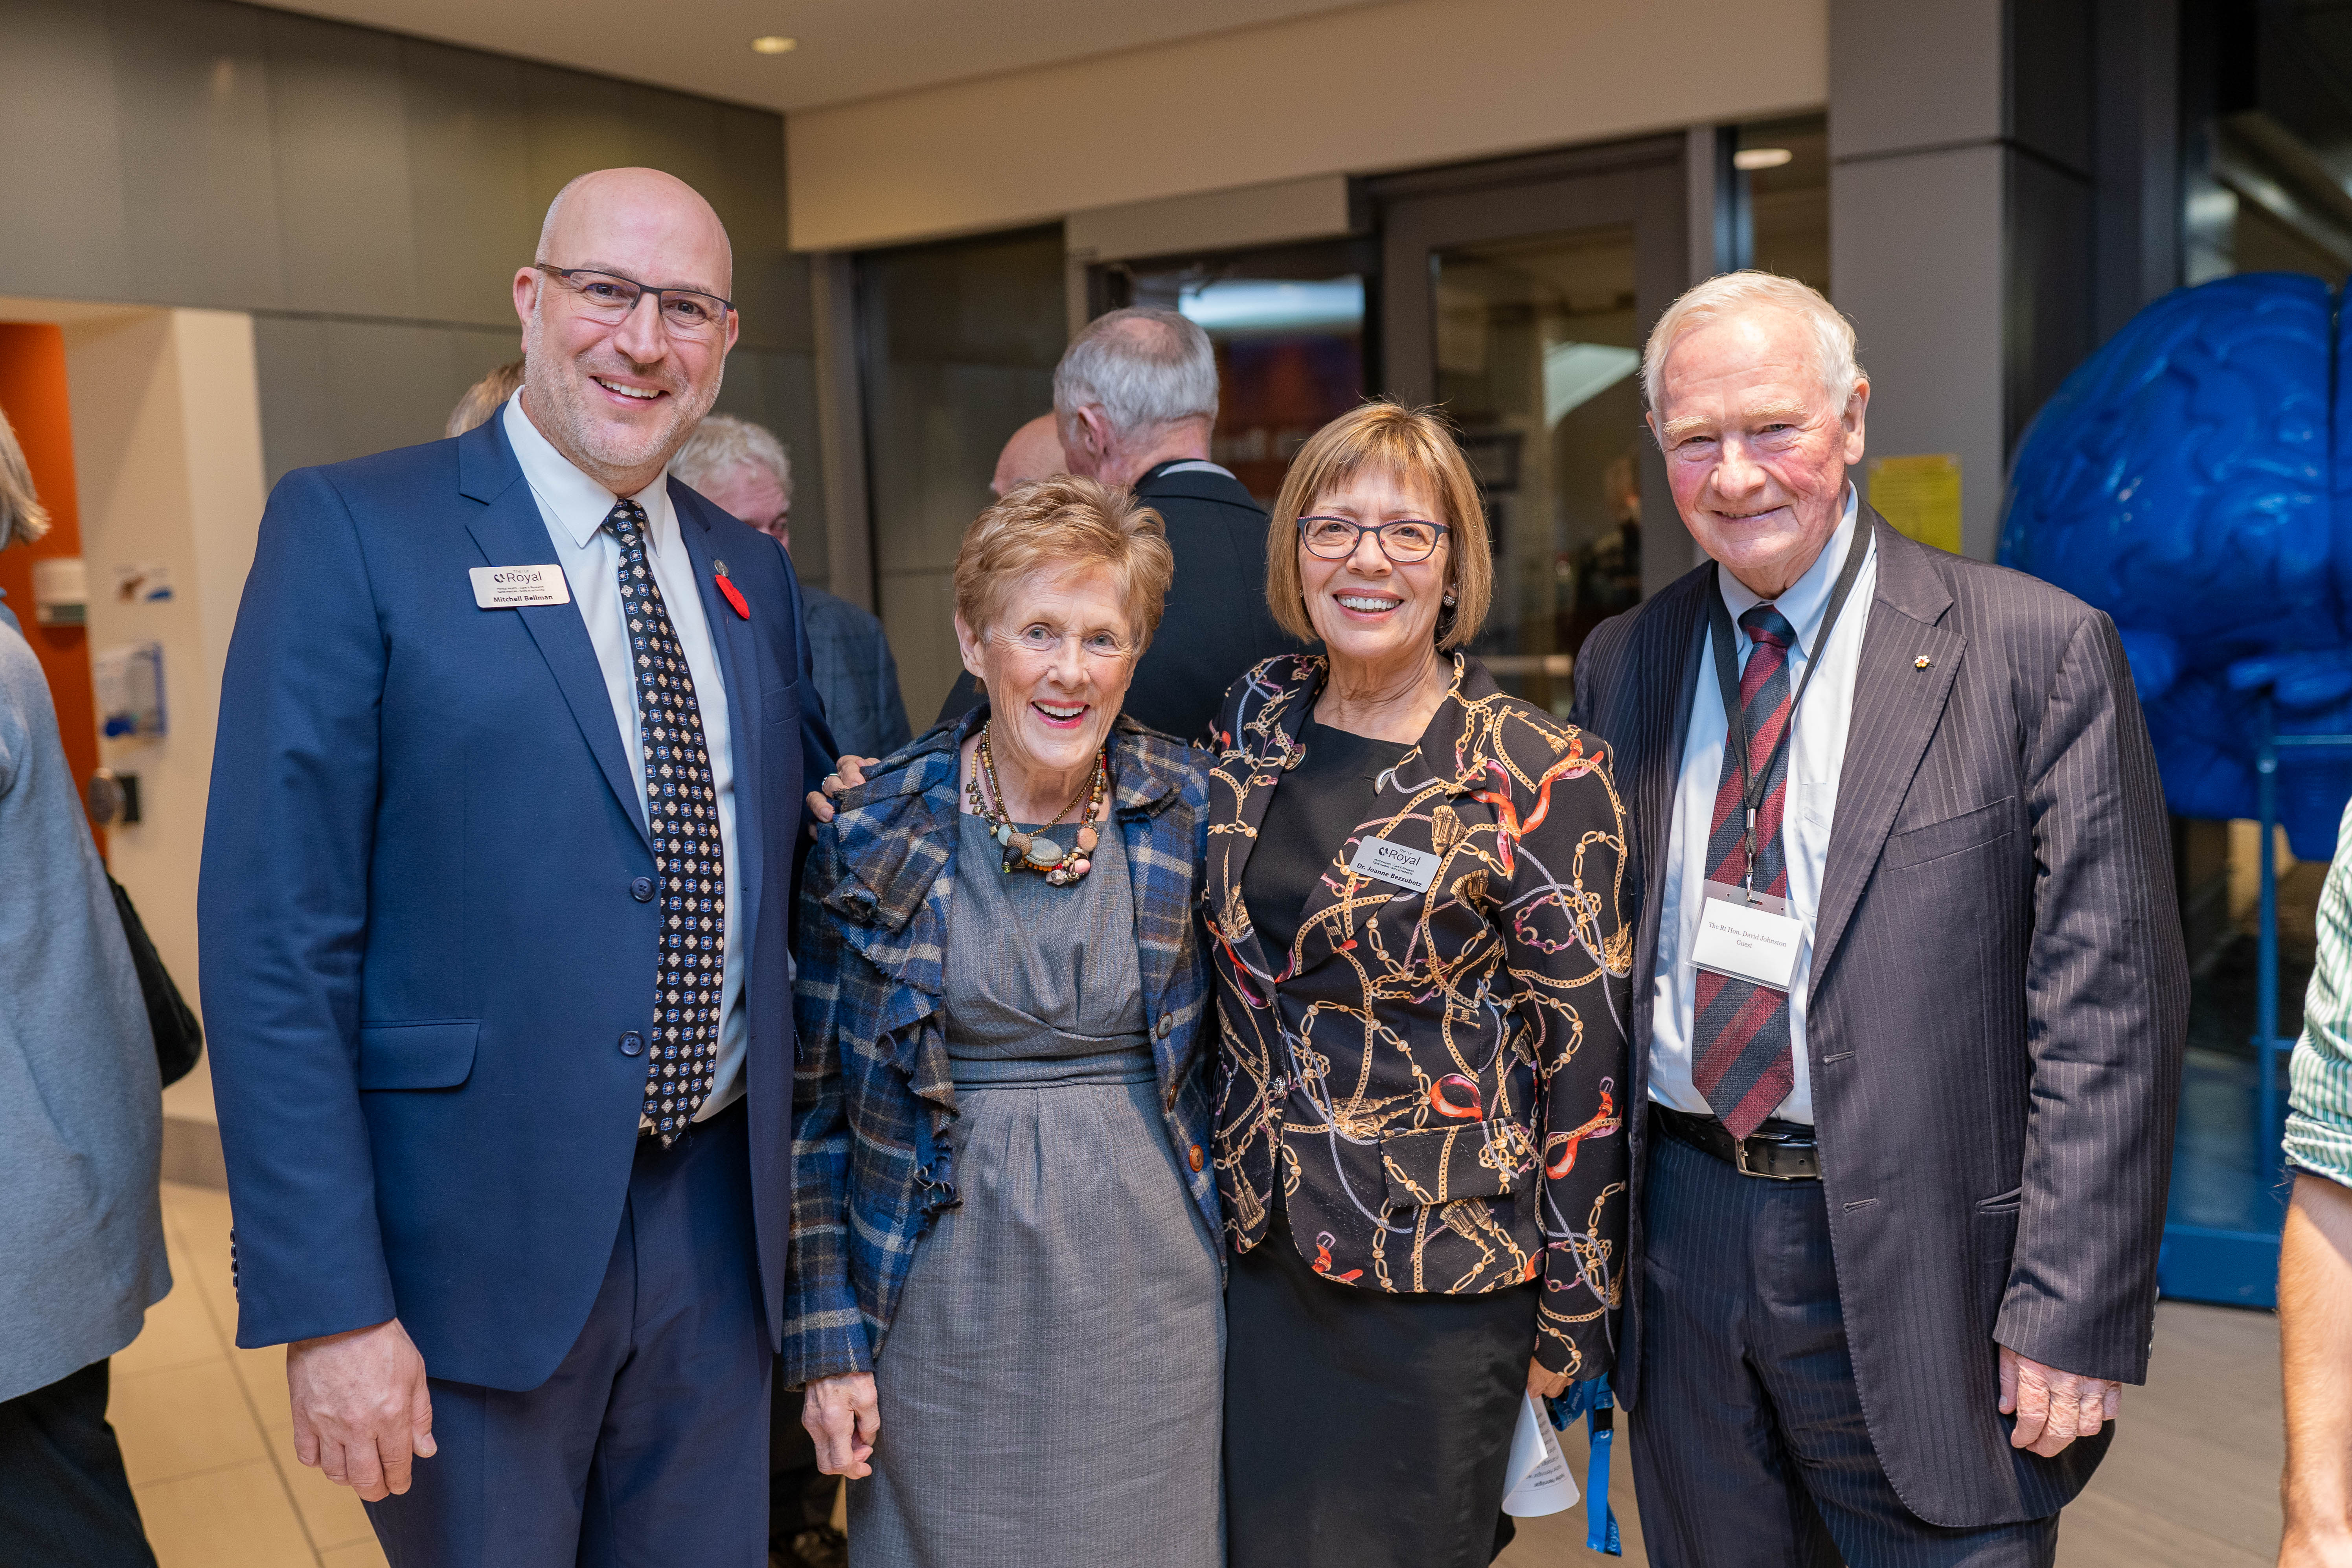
[872,1157]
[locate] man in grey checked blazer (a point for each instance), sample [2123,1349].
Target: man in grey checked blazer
[1887,1326]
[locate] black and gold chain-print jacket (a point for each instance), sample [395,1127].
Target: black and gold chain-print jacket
[1437,1075]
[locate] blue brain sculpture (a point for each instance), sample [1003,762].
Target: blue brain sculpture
[2185,481]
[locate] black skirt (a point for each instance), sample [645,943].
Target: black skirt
[1366,1430]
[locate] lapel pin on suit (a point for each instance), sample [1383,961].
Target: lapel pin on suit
[728,591]
[1922,662]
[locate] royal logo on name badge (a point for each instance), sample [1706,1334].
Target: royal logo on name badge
[1399,863]
[1747,936]
[512,587]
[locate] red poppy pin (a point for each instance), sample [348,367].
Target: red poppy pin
[728,591]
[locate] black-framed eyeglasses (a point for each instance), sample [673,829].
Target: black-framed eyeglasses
[609,297]
[1405,540]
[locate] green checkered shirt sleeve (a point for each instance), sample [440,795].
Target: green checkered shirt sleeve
[2319,1117]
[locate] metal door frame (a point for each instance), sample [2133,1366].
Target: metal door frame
[1641,185]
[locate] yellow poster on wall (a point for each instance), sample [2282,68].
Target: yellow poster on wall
[1920,496]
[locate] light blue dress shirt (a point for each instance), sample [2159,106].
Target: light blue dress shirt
[1816,757]
[574,507]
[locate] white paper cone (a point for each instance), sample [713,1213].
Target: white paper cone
[1539,1478]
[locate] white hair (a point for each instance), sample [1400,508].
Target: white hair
[722,442]
[1730,294]
[23,518]
[1142,366]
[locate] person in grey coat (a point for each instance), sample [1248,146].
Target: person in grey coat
[81,1233]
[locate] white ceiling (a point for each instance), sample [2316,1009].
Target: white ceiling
[848,48]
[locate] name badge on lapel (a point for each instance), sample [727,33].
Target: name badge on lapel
[1399,863]
[1747,936]
[512,587]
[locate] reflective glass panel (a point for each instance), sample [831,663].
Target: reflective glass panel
[1537,356]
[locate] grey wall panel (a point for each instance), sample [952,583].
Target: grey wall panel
[935,432]
[771,281]
[473,353]
[1929,228]
[470,179]
[205,153]
[347,232]
[61,154]
[1910,75]
[666,130]
[333,390]
[199,186]
[290,368]
[571,126]
[367,197]
[575,122]
[779,390]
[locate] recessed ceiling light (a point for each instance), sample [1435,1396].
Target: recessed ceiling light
[775,44]
[1751,159]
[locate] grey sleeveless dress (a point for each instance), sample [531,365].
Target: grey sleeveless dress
[1052,1383]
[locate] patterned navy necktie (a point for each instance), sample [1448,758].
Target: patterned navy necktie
[689,861]
[1740,1056]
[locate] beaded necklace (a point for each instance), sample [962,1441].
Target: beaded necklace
[1035,851]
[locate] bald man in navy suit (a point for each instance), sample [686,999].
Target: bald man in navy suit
[497,876]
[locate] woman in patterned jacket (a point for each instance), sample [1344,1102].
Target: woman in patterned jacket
[1005,1259]
[1415,909]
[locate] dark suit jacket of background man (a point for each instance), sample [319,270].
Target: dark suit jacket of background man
[1997,1011]
[1216,624]
[430,920]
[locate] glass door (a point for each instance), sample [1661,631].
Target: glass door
[1517,297]
[1288,326]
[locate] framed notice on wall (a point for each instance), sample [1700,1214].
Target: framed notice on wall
[1920,496]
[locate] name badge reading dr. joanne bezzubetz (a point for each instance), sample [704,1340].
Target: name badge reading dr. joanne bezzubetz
[1747,936]
[1399,863]
[512,587]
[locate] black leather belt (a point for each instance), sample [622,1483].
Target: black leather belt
[1777,1151]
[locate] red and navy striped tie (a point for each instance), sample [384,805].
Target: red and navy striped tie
[1740,1039]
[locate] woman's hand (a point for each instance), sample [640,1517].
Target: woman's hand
[1543,1385]
[841,1414]
[847,774]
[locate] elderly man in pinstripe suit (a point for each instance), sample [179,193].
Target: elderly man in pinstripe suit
[1912,985]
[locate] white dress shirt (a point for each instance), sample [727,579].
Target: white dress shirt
[1816,755]
[574,507]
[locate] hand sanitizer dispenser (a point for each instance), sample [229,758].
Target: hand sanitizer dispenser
[130,682]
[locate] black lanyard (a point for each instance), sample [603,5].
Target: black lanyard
[1734,712]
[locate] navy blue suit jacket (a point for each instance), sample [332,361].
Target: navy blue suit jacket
[423,932]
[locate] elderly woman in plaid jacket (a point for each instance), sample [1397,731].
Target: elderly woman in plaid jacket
[1006,1254]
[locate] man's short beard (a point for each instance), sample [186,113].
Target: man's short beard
[556,404]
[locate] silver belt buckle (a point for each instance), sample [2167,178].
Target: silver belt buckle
[1739,1152]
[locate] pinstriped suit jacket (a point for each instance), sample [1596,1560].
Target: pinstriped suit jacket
[1998,1003]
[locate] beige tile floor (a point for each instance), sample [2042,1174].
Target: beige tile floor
[204,1426]
[2191,1482]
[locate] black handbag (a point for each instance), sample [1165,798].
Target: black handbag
[179,1039]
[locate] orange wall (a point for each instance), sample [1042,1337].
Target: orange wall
[33,394]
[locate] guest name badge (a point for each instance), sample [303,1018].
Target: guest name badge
[1747,936]
[1399,863]
[511,587]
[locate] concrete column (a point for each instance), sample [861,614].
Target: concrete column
[1915,230]
[1964,205]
